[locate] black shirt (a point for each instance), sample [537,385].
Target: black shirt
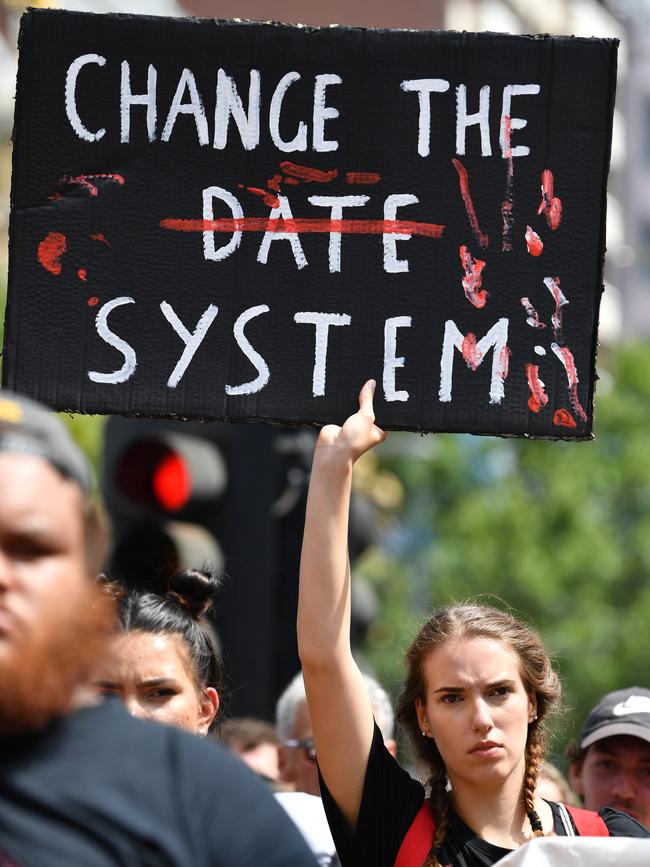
[390,802]
[99,789]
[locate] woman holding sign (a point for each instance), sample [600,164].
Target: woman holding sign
[479,689]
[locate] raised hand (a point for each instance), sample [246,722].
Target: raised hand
[358,434]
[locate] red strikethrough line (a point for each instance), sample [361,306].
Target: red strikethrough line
[263,224]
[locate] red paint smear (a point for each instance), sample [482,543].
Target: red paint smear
[50,250]
[54,197]
[293,181]
[572,377]
[82,274]
[532,314]
[538,398]
[362,178]
[93,301]
[563,418]
[470,351]
[268,198]
[274,183]
[345,227]
[469,204]
[504,362]
[550,205]
[100,237]
[507,204]
[534,243]
[307,174]
[84,181]
[556,318]
[473,279]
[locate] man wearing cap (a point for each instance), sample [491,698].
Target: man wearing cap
[610,765]
[81,781]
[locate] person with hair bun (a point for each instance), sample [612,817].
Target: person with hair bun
[165,663]
[479,690]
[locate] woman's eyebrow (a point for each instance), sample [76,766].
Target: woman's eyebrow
[157,681]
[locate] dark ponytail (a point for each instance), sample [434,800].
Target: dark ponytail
[181,611]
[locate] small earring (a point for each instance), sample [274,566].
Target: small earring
[424,734]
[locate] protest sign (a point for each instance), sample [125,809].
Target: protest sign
[579,851]
[230,220]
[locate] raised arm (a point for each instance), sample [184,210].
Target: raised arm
[339,706]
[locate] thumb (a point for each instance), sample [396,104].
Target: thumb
[366,396]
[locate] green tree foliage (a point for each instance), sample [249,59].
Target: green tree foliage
[558,531]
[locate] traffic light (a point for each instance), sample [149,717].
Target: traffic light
[229,497]
[163,486]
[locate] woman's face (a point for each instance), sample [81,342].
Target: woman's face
[477,710]
[152,675]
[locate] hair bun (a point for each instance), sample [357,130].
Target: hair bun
[194,590]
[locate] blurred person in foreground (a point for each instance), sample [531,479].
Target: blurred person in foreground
[610,764]
[81,781]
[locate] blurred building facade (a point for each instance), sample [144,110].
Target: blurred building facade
[625,310]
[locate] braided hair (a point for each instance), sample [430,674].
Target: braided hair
[471,620]
[181,611]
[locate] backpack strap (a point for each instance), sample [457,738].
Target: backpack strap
[416,845]
[588,823]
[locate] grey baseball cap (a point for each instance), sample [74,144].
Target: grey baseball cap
[27,427]
[623,712]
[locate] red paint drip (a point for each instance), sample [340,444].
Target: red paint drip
[563,418]
[50,250]
[82,274]
[85,181]
[308,174]
[100,237]
[345,227]
[538,398]
[473,279]
[507,204]
[362,178]
[293,181]
[550,205]
[274,183]
[566,357]
[534,243]
[504,362]
[93,301]
[553,285]
[470,351]
[269,199]
[533,316]
[469,204]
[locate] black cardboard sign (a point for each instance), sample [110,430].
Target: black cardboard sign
[226,220]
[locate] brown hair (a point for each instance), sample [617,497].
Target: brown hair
[470,620]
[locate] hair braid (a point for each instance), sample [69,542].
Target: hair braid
[534,757]
[439,804]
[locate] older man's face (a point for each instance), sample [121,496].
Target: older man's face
[46,596]
[296,764]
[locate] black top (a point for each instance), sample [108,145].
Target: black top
[100,789]
[390,802]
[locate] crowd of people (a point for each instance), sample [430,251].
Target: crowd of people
[113,749]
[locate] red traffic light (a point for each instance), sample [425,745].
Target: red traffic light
[170,473]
